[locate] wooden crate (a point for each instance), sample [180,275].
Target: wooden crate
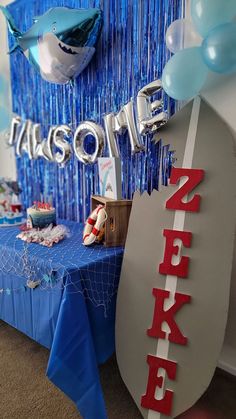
[116,225]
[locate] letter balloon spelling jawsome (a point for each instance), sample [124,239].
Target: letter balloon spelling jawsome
[61,43]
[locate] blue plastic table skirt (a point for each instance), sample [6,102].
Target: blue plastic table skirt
[73,314]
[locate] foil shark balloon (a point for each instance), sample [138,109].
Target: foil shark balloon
[61,43]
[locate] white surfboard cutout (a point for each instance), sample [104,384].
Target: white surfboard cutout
[202,141]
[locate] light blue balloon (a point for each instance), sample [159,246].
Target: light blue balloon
[4,118]
[184,74]
[207,14]
[219,49]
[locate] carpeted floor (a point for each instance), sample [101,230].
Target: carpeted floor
[25,392]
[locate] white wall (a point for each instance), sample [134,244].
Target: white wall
[220,93]
[7,159]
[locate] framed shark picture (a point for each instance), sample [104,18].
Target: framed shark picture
[109,169]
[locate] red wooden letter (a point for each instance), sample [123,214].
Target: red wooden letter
[161,315]
[148,401]
[166,267]
[175,202]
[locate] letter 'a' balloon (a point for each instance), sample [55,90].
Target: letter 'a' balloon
[184,74]
[60,43]
[219,48]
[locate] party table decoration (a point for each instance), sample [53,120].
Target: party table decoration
[109,169]
[94,225]
[11,219]
[10,206]
[67,294]
[61,43]
[41,215]
[116,221]
[47,236]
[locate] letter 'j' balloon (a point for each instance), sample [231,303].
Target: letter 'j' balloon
[184,74]
[207,14]
[60,43]
[219,49]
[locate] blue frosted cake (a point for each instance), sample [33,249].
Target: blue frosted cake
[41,215]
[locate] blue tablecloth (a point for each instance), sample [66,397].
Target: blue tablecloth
[72,312]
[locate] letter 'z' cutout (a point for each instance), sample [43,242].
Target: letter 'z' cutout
[166,267]
[161,315]
[175,202]
[148,401]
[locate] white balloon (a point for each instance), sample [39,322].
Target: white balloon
[181,34]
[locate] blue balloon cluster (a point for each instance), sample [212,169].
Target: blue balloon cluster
[185,73]
[4,113]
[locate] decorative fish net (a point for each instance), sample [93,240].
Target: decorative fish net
[93,271]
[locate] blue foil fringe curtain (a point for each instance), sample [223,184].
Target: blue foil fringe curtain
[130,54]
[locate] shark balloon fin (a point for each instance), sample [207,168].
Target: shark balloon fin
[11,24]
[15,48]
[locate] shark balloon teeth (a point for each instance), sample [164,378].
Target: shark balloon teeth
[67,50]
[60,43]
